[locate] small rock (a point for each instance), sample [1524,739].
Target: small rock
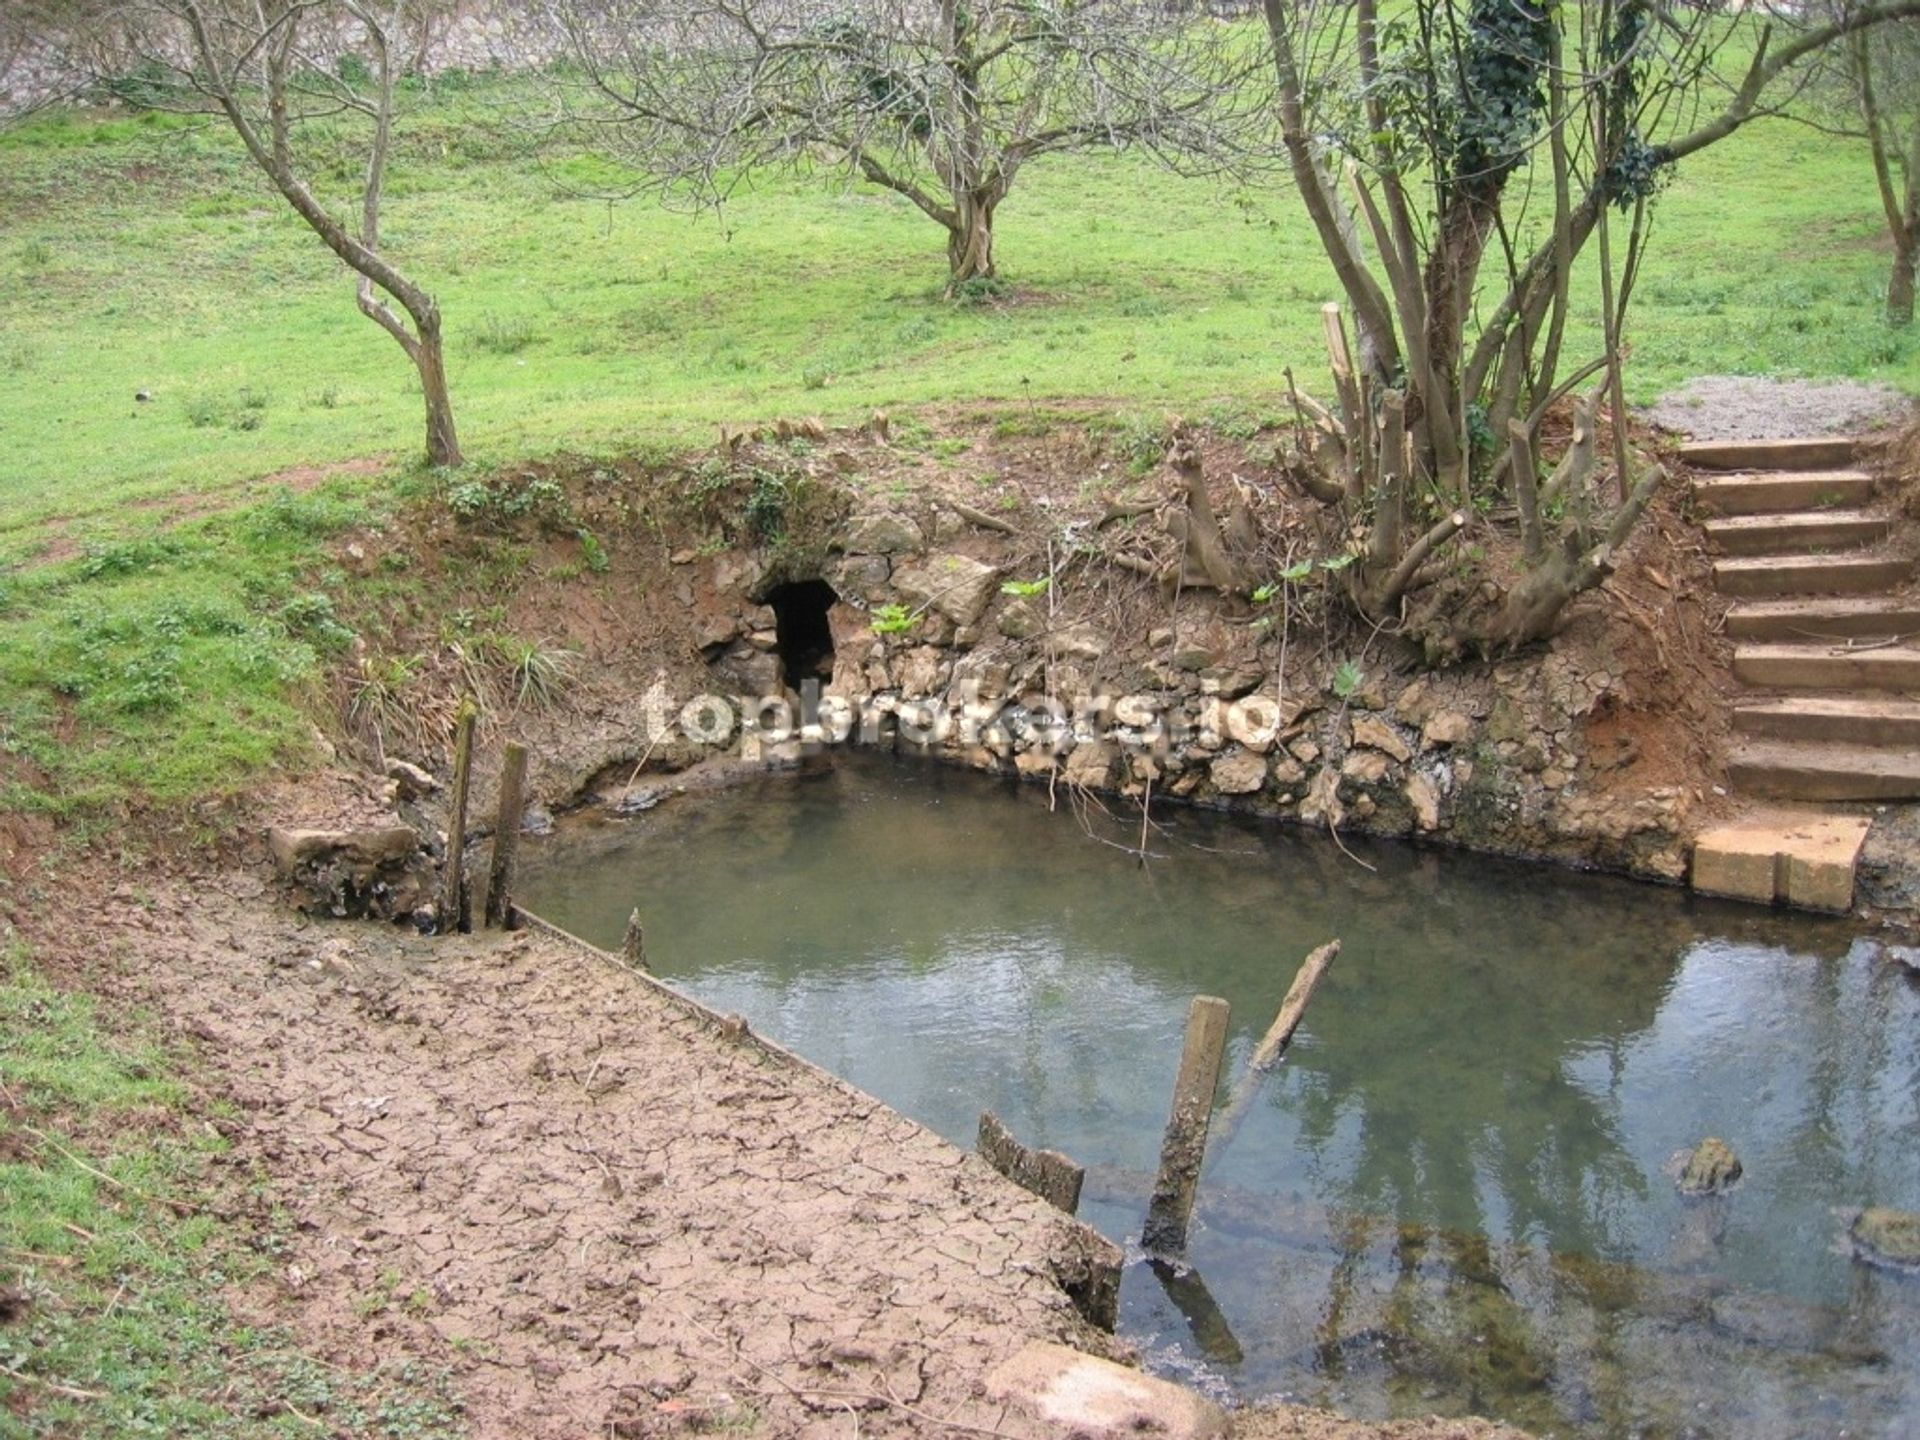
[1425,800]
[1887,1237]
[1377,734]
[412,780]
[1707,1169]
[956,586]
[1448,727]
[1415,704]
[1241,773]
[1368,767]
[637,801]
[1021,620]
[1082,642]
[1230,682]
[1090,765]
[881,534]
[141,397]
[537,820]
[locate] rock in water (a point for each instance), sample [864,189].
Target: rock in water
[1709,1168]
[1887,1237]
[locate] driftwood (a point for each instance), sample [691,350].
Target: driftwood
[1273,1045]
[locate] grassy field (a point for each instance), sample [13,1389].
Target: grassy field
[142,254]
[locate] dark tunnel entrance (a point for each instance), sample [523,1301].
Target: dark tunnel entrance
[805,643]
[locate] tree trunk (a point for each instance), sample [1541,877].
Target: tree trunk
[970,241]
[1906,251]
[443,443]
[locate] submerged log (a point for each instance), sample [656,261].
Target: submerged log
[1273,1045]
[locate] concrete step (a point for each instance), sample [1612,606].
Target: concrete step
[1803,621]
[1810,575]
[1840,719]
[1765,494]
[1827,452]
[1822,667]
[1798,533]
[1783,770]
[1785,857]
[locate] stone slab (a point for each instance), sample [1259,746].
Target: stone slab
[1802,860]
[1736,861]
[1820,856]
[1082,1395]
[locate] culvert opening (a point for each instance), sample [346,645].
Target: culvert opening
[805,635]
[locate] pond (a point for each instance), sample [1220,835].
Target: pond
[1453,1196]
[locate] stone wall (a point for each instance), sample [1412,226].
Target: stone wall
[1495,758]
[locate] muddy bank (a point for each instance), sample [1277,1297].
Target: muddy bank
[505,1157]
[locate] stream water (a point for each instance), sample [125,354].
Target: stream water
[1451,1197]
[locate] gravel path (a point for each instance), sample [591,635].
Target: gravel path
[1735,407]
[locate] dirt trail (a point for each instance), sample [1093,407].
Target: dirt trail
[506,1156]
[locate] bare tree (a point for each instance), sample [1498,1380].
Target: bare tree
[1456,161]
[941,102]
[1880,77]
[263,65]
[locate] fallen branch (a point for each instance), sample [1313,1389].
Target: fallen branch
[981,518]
[72,1392]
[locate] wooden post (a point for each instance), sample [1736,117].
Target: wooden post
[1046,1173]
[455,912]
[506,835]
[1273,1045]
[634,947]
[1185,1145]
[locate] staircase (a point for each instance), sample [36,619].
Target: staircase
[1826,632]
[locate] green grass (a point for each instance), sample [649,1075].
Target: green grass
[142,254]
[128,1329]
[172,661]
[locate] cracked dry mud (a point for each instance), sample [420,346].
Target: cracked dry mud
[508,1156]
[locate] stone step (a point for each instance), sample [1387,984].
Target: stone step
[1804,621]
[1810,575]
[1841,719]
[1766,494]
[1783,770]
[1826,452]
[1797,533]
[1825,667]
[1795,859]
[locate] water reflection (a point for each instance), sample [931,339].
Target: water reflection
[1450,1198]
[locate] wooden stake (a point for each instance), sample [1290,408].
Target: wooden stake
[506,835]
[1185,1145]
[1273,1045]
[634,948]
[455,913]
[1046,1173]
